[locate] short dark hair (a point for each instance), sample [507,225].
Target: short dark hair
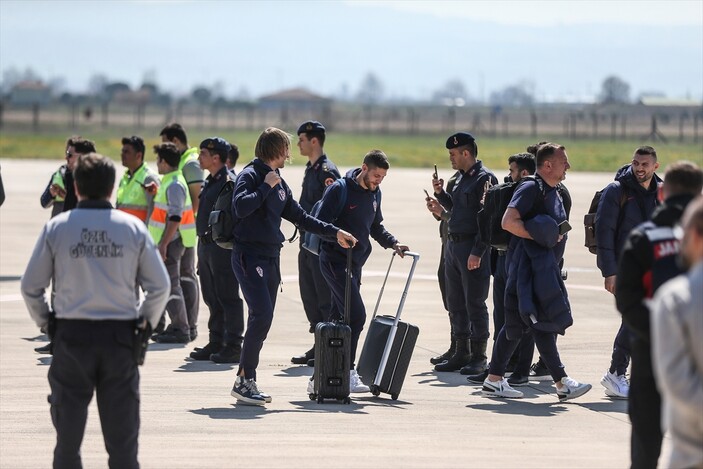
[83,146]
[174,130]
[320,136]
[546,152]
[233,154]
[137,143]
[71,139]
[271,143]
[376,159]
[523,161]
[94,175]
[645,150]
[683,177]
[168,152]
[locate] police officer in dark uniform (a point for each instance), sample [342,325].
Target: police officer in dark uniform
[467,258]
[320,172]
[217,281]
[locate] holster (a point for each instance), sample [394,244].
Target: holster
[142,332]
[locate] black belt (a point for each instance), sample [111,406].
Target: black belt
[206,238]
[501,253]
[460,237]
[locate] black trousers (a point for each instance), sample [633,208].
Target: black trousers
[644,408]
[220,290]
[94,356]
[316,297]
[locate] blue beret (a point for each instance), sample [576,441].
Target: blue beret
[216,145]
[311,126]
[460,139]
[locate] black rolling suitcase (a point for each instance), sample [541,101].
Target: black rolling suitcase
[389,345]
[333,353]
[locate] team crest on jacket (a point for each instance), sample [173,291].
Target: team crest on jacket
[260,271]
[281,194]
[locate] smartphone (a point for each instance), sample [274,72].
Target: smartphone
[435,175]
[564,227]
[426,193]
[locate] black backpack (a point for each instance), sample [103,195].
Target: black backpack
[589,219]
[221,219]
[495,204]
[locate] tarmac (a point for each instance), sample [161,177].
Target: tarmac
[189,419]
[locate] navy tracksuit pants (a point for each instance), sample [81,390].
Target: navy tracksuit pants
[259,278]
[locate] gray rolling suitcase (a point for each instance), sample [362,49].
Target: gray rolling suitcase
[389,345]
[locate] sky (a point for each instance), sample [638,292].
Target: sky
[563,49]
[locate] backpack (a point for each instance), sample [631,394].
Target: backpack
[221,219]
[589,219]
[490,217]
[311,241]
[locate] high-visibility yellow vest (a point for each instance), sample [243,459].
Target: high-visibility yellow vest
[190,154]
[58,179]
[159,216]
[131,194]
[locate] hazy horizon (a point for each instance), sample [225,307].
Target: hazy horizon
[564,49]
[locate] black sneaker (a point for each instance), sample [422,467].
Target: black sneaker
[228,354]
[246,392]
[205,352]
[539,371]
[44,349]
[477,379]
[193,333]
[303,359]
[517,379]
[175,336]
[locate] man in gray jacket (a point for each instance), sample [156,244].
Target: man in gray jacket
[677,347]
[95,256]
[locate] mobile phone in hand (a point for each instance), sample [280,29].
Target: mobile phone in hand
[435,175]
[564,227]
[426,193]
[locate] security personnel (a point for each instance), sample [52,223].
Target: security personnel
[138,186]
[217,281]
[261,198]
[467,258]
[53,195]
[193,175]
[172,225]
[648,259]
[104,253]
[320,172]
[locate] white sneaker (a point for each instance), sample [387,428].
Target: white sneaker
[355,384]
[572,389]
[500,389]
[615,385]
[311,385]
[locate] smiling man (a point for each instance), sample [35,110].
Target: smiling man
[624,204]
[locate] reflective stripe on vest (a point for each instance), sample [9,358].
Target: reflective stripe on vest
[131,195]
[57,178]
[159,216]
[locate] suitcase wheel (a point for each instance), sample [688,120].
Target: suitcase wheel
[394,397]
[312,396]
[374,390]
[347,400]
[320,400]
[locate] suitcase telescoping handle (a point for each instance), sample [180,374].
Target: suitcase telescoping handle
[415,257]
[347,287]
[394,328]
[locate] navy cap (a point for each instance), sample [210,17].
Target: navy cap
[310,126]
[460,139]
[216,145]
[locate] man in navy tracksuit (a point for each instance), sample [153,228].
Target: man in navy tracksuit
[259,201]
[624,204]
[361,216]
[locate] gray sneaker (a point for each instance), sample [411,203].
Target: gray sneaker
[572,389]
[246,392]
